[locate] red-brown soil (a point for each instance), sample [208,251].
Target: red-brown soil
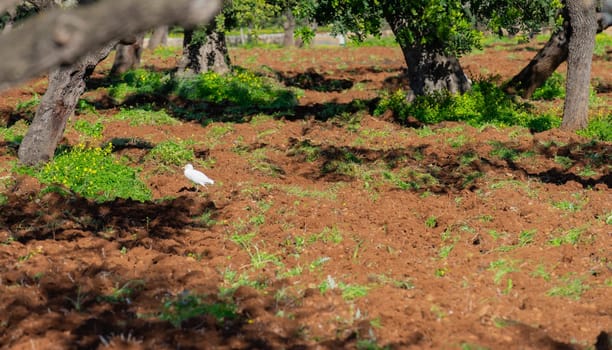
[457,255]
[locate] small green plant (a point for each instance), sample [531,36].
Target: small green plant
[15,133]
[259,161]
[166,51]
[553,88]
[599,128]
[172,153]
[141,82]
[305,150]
[540,271]
[352,291]
[206,218]
[571,288]
[572,236]
[458,141]
[603,42]
[94,173]
[502,267]
[78,300]
[565,162]
[124,293]
[89,129]
[243,240]
[526,237]
[431,221]
[28,107]
[140,116]
[186,306]
[587,172]
[503,152]
[260,259]
[328,235]
[571,205]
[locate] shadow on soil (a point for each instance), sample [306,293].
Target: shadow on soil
[459,169]
[70,305]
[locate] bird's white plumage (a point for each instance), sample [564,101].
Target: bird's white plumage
[197,176]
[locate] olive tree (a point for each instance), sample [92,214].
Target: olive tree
[432,34]
[69,42]
[205,47]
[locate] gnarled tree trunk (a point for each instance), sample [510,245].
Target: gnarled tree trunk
[158,38]
[204,55]
[583,23]
[129,52]
[429,68]
[432,71]
[550,57]
[542,66]
[66,84]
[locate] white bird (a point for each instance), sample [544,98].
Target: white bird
[197,176]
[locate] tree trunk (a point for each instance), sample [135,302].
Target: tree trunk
[429,68]
[583,24]
[66,84]
[158,38]
[288,28]
[550,57]
[62,37]
[542,66]
[205,55]
[431,71]
[129,52]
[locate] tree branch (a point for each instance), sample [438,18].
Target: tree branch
[6,5]
[60,37]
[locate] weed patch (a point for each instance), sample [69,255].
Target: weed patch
[94,173]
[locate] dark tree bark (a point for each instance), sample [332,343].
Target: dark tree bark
[288,28]
[432,71]
[542,66]
[66,84]
[61,37]
[129,52]
[158,38]
[204,55]
[583,23]
[550,57]
[429,68]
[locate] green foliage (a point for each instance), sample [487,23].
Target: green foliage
[166,51]
[603,42]
[515,16]
[599,128]
[431,221]
[553,87]
[171,153]
[305,150]
[142,82]
[375,41]
[570,288]
[28,107]
[485,104]
[140,116]
[94,173]
[124,293]
[572,237]
[186,306]
[88,128]
[240,88]
[15,133]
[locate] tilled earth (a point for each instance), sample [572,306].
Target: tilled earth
[347,231]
